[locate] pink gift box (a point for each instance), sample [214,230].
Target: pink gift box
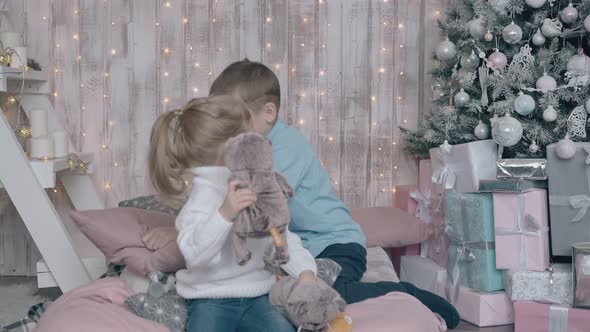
[404,202]
[479,308]
[521,230]
[541,317]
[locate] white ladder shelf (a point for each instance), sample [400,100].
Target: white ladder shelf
[69,259]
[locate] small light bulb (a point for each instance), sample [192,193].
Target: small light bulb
[197,65]
[374,123]
[329,25]
[323,45]
[55,94]
[107,186]
[84,134]
[83,108]
[111,123]
[302,94]
[104,96]
[393,189]
[381,174]
[394,167]
[157,24]
[44,18]
[76,12]
[166,50]
[437,12]
[185,20]
[383,49]
[268,19]
[399,98]
[113,23]
[322,93]
[268,45]
[79,57]
[210,74]
[401,46]
[405,121]
[11,100]
[75,36]
[292,70]
[305,20]
[301,121]
[381,70]
[401,73]
[384,22]
[106,74]
[54,190]
[213,20]
[168,4]
[373,98]
[219,49]
[277,66]
[330,138]
[320,1]
[113,51]
[394,143]
[379,148]
[56,45]
[115,164]
[322,73]
[401,26]
[195,89]
[103,146]
[166,100]
[57,70]
[165,74]
[81,85]
[302,44]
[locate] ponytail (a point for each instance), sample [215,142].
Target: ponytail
[166,173]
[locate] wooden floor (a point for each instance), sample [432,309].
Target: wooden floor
[27,294]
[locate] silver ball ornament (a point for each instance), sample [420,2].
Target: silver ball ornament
[549,114]
[497,60]
[538,38]
[565,149]
[533,148]
[512,33]
[446,50]
[488,36]
[470,61]
[462,98]
[535,3]
[588,105]
[476,28]
[579,64]
[587,23]
[482,131]
[546,83]
[524,104]
[507,131]
[569,14]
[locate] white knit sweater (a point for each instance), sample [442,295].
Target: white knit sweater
[204,238]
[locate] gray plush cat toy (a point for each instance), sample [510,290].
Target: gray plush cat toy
[249,157]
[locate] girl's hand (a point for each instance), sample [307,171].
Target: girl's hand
[236,200]
[159,237]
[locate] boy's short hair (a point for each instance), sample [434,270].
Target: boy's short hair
[253,82]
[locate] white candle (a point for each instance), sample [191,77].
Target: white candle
[60,143]
[11,39]
[42,147]
[38,121]
[19,57]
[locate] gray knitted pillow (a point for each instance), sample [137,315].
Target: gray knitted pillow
[169,309]
[151,202]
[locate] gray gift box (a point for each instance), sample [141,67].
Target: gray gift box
[532,169]
[569,198]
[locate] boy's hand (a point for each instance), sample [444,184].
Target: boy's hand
[159,237]
[236,200]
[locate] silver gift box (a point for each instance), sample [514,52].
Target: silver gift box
[532,169]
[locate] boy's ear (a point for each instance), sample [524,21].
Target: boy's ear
[270,113]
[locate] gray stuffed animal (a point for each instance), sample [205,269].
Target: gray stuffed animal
[309,306]
[249,157]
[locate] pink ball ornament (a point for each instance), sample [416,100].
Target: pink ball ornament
[488,36]
[569,14]
[549,114]
[546,83]
[538,38]
[579,63]
[565,149]
[446,50]
[497,60]
[512,33]
[533,148]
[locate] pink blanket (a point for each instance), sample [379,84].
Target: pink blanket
[97,307]
[100,307]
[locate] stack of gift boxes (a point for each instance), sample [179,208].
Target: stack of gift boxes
[494,222]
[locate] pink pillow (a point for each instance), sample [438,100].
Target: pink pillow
[117,233]
[389,227]
[394,312]
[97,307]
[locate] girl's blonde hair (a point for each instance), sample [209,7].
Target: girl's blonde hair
[191,137]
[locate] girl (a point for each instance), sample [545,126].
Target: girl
[187,146]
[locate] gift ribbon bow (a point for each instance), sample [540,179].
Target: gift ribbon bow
[423,213]
[582,203]
[464,254]
[526,226]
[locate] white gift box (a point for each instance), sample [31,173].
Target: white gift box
[554,286]
[463,166]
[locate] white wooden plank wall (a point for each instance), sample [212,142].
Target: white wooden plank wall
[116,65]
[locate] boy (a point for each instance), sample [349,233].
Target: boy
[321,220]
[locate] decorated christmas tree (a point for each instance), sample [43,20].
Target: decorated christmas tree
[516,71]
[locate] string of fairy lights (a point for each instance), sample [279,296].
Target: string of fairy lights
[396,48]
